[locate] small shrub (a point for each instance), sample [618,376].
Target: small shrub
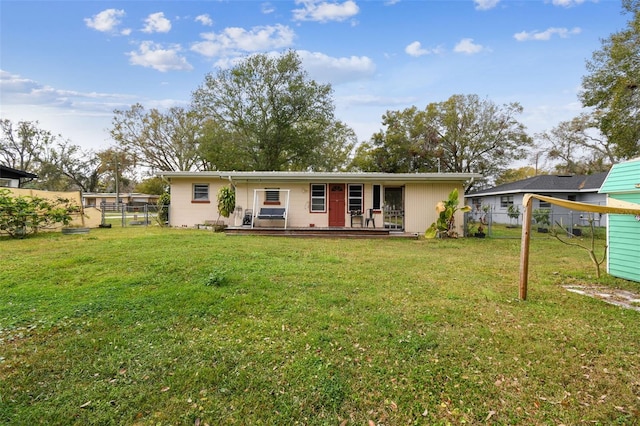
[163,208]
[217,278]
[24,215]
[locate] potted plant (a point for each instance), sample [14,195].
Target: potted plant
[444,226]
[542,218]
[226,204]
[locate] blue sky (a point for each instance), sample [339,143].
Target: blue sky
[69,64]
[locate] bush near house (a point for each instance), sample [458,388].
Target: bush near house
[21,216]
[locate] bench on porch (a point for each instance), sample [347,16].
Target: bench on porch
[272,213]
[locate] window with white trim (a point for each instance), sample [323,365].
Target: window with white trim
[506,201]
[200,192]
[545,204]
[377,197]
[355,197]
[272,196]
[318,197]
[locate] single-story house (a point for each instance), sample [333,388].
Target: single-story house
[622,189]
[581,188]
[14,178]
[108,199]
[403,201]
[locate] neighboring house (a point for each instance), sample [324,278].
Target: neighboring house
[108,199]
[622,189]
[404,201]
[13,178]
[581,188]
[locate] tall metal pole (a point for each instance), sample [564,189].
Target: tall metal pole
[117,185]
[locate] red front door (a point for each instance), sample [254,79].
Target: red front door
[336,204]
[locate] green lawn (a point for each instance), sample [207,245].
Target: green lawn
[123,326]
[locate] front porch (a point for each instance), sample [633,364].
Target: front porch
[320,232]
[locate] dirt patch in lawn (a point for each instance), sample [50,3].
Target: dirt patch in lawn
[624,298]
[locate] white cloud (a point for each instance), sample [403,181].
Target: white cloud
[466,45]
[156,23]
[486,4]
[154,56]
[15,89]
[313,10]
[267,8]
[332,70]
[82,117]
[204,20]
[234,40]
[376,100]
[546,35]
[415,49]
[566,3]
[107,21]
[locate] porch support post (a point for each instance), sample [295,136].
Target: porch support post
[286,211]
[253,212]
[524,249]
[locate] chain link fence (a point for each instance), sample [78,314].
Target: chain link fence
[485,220]
[122,214]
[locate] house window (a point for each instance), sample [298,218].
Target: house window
[506,201]
[377,191]
[545,204]
[272,196]
[318,197]
[200,192]
[5,182]
[476,202]
[355,197]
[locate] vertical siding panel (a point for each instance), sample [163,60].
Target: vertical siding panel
[624,242]
[420,205]
[623,232]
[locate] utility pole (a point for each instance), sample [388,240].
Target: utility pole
[117,184]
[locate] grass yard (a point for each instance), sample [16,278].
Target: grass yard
[129,326]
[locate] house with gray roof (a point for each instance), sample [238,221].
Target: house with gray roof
[581,188]
[14,178]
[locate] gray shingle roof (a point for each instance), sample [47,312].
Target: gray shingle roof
[548,183]
[9,172]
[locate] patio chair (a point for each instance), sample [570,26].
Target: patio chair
[248,217]
[370,218]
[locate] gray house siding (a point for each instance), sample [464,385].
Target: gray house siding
[573,188]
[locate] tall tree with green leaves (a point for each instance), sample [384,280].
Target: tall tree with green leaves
[167,141]
[406,145]
[464,134]
[22,143]
[59,164]
[578,147]
[612,85]
[476,135]
[514,175]
[270,115]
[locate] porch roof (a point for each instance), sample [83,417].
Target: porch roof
[263,176]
